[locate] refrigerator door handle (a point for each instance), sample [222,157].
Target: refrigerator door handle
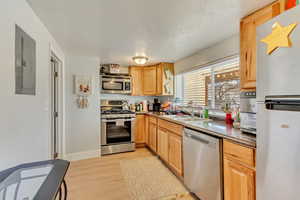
[287,103]
[283,98]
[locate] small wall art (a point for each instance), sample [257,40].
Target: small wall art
[83,89]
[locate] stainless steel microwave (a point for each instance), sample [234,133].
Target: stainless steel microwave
[116,84]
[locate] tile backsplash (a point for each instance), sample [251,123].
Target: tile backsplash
[131,99]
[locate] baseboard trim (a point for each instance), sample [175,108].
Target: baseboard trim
[140,145]
[83,155]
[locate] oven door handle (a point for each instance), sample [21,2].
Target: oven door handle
[113,120]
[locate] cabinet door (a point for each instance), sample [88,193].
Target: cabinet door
[248,42]
[139,130]
[149,80]
[153,136]
[159,78]
[239,181]
[248,54]
[163,144]
[175,153]
[147,130]
[168,79]
[137,81]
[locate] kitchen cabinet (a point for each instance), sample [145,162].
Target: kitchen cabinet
[163,144]
[147,130]
[149,80]
[175,153]
[169,138]
[136,80]
[159,79]
[154,80]
[248,27]
[239,172]
[165,79]
[139,130]
[153,134]
[239,181]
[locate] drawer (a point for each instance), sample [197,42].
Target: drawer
[153,120]
[239,153]
[172,127]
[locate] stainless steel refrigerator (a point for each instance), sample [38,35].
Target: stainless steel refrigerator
[278,117]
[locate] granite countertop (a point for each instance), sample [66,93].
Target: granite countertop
[213,127]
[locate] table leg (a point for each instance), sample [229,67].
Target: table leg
[65,189]
[59,193]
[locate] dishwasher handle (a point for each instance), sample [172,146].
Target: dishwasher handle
[196,138]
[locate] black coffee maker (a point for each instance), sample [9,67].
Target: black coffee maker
[156,105]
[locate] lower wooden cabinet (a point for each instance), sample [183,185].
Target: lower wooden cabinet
[175,153]
[139,130]
[146,129]
[239,181]
[165,139]
[163,144]
[169,140]
[152,135]
[239,172]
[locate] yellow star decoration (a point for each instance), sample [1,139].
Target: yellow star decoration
[279,37]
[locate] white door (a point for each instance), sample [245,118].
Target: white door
[55,107]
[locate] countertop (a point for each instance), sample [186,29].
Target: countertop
[213,127]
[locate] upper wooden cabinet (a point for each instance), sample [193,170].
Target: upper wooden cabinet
[165,79]
[248,42]
[137,80]
[150,80]
[154,80]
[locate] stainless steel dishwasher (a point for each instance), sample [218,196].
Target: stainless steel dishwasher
[202,165]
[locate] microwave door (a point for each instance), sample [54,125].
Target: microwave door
[112,85]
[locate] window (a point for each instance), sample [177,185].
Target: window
[212,86]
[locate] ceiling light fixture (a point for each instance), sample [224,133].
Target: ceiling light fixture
[140,60]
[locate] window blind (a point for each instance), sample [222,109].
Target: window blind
[213,85]
[194,88]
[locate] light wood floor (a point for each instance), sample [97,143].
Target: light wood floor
[100,178]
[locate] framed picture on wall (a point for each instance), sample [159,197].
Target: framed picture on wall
[83,85]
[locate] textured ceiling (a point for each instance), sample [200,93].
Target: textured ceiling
[164,30]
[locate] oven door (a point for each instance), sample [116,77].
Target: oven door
[116,131]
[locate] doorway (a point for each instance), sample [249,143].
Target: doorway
[56,114]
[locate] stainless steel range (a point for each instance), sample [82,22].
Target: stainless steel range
[117,127]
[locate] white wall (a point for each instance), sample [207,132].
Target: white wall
[219,51]
[24,120]
[82,125]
